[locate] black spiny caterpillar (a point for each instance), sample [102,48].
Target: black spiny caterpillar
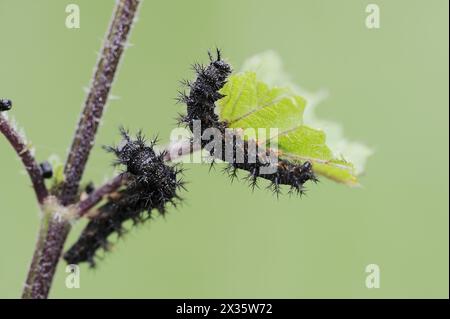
[150,184]
[203,93]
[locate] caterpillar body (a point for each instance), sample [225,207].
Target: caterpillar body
[200,102]
[150,185]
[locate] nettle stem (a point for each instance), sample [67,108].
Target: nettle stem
[23,151]
[59,212]
[51,238]
[113,47]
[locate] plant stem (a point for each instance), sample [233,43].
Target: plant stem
[51,238]
[34,262]
[50,245]
[103,78]
[28,160]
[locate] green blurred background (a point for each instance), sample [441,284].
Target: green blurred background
[388,87]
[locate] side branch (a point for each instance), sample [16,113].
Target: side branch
[103,78]
[28,160]
[109,187]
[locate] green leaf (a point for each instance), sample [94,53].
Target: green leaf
[268,67]
[252,104]
[249,103]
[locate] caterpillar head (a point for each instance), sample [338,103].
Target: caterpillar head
[218,70]
[135,154]
[150,179]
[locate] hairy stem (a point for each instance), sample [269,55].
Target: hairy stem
[49,249]
[28,160]
[103,78]
[27,293]
[36,285]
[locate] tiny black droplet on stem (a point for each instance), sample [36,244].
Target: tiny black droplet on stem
[5,105]
[90,187]
[46,169]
